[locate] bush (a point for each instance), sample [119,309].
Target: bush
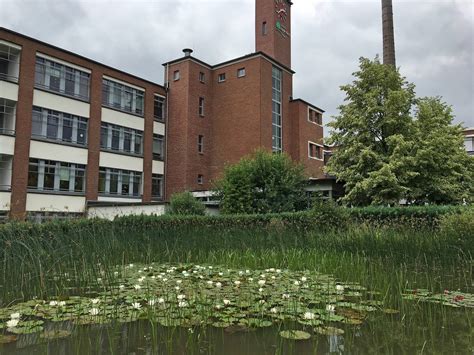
[185,204]
[328,215]
[459,228]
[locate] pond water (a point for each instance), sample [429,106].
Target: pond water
[186,309]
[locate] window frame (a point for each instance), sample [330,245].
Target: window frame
[320,149]
[221,77]
[241,72]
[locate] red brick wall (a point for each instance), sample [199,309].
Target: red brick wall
[273,43]
[24,114]
[468,132]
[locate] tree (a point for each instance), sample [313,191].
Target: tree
[384,154]
[184,203]
[262,183]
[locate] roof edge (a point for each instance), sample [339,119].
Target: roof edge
[309,104]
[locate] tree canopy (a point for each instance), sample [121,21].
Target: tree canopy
[262,183]
[391,145]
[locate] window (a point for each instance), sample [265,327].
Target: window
[119,182]
[264,28]
[202,77]
[122,139]
[159,108]
[221,78]
[201,144]
[241,72]
[469,145]
[200,179]
[158,147]
[315,151]
[7,116]
[9,62]
[176,75]
[315,117]
[201,106]
[60,78]
[157,187]
[48,175]
[276,110]
[58,126]
[122,97]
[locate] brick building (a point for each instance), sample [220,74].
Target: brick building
[469,140]
[74,132]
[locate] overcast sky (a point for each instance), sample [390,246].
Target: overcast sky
[434,39]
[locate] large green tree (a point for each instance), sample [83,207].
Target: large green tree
[262,183]
[393,146]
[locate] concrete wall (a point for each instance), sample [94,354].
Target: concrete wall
[110,212]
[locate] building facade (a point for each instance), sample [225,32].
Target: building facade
[74,132]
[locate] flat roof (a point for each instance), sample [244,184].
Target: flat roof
[79,56]
[310,105]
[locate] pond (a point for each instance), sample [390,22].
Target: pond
[189,308]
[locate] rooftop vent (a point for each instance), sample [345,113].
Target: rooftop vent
[187,52]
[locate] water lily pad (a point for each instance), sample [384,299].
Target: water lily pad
[390,311]
[295,335]
[329,331]
[6,339]
[55,334]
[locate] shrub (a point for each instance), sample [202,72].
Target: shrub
[459,228]
[328,215]
[185,204]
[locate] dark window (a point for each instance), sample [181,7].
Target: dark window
[104,133]
[202,77]
[159,108]
[49,174]
[200,179]
[264,28]
[221,78]
[114,178]
[201,144]
[158,147]
[67,128]
[64,177]
[115,139]
[70,85]
[52,126]
[201,106]
[127,140]
[79,180]
[157,186]
[125,183]
[33,174]
[102,179]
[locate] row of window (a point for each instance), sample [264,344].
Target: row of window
[61,78]
[72,82]
[315,117]
[9,62]
[202,76]
[276,110]
[47,175]
[315,151]
[121,139]
[7,116]
[58,126]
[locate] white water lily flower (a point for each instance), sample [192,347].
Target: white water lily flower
[177,288]
[53,303]
[94,311]
[62,303]
[161,300]
[95,301]
[247,271]
[274,310]
[273,277]
[285,296]
[121,287]
[261,282]
[181,297]
[237,283]
[271,270]
[136,305]
[153,277]
[250,278]
[241,273]
[210,267]
[218,284]
[182,304]
[179,281]
[339,288]
[116,273]
[99,279]
[151,302]
[296,283]
[261,301]
[210,282]
[160,276]
[330,308]
[165,279]
[12,323]
[278,271]
[137,287]
[221,273]
[131,265]
[218,306]
[15,316]
[260,289]
[304,279]
[262,276]
[226,302]
[309,316]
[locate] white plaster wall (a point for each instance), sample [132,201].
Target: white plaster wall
[5,201]
[118,161]
[54,203]
[158,167]
[123,119]
[7,145]
[159,128]
[60,103]
[116,211]
[63,153]
[8,90]
[118,199]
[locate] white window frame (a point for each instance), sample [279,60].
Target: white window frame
[221,77]
[176,75]
[309,115]
[241,72]
[318,145]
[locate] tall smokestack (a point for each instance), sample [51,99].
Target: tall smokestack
[388,33]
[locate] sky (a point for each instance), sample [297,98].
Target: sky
[434,39]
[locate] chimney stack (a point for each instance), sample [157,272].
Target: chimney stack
[187,52]
[388,33]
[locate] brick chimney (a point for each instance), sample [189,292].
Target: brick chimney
[388,33]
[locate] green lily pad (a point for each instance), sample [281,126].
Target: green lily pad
[55,334]
[6,339]
[295,335]
[329,331]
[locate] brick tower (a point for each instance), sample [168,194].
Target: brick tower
[273,29]
[388,33]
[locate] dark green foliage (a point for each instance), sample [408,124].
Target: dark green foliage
[328,215]
[262,183]
[459,228]
[185,204]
